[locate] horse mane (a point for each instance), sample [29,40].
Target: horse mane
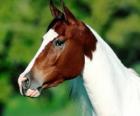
[112,53]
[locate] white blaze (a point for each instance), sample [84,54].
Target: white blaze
[49,36]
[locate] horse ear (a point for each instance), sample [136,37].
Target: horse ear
[55,11]
[69,17]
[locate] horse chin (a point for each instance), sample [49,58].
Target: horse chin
[32,93]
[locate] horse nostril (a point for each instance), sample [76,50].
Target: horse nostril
[26,84]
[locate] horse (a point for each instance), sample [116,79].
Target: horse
[72,50]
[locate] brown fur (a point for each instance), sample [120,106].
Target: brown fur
[59,64]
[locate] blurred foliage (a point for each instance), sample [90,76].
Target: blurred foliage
[6,88]
[22,24]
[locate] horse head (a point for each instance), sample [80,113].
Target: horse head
[61,55]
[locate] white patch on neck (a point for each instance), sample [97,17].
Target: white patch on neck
[113,89]
[49,36]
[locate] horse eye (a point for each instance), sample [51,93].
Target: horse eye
[58,42]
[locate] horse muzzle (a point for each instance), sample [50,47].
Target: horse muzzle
[25,86]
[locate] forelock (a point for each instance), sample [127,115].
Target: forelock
[55,20]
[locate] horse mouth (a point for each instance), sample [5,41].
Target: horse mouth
[32,93]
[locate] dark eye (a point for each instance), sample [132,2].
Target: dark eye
[58,42]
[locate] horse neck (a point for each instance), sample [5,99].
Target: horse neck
[105,80]
[105,86]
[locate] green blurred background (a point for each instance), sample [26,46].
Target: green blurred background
[22,25]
